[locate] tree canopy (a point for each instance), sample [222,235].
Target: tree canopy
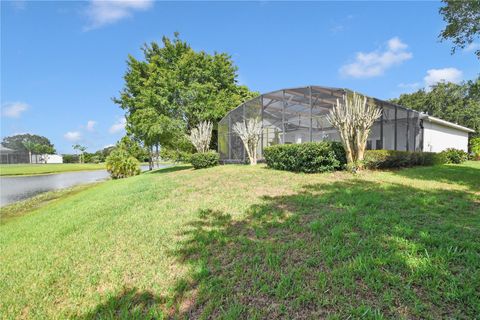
[463,22]
[20,141]
[458,103]
[174,88]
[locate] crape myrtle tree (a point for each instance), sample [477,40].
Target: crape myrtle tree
[249,132]
[173,88]
[201,135]
[354,117]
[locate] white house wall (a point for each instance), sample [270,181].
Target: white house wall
[438,138]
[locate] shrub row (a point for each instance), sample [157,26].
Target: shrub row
[204,160]
[383,159]
[307,157]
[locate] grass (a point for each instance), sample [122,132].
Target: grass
[35,169]
[21,208]
[248,242]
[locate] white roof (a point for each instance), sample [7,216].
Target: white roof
[448,124]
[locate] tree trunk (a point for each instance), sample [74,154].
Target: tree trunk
[150,159]
[29,156]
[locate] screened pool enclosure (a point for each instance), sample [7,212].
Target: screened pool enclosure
[300,115]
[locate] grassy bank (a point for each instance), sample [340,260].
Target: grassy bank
[21,208]
[249,242]
[34,169]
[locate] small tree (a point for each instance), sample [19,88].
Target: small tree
[354,118]
[82,150]
[30,146]
[249,131]
[201,135]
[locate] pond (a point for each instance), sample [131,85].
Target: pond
[13,189]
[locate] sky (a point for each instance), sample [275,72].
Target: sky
[62,62]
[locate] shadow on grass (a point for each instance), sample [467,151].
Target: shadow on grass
[173,168]
[459,174]
[349,249]
[129,304]
[355,249]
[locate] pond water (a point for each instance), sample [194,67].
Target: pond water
[13,189]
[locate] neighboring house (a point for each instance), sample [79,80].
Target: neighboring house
[47,158]
[300,115]
[10,156]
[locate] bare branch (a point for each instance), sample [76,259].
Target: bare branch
[201,136]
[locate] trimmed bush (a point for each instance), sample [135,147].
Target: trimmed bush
[452,155]
[122,165]
[204,160]
[384,159]
[307,157]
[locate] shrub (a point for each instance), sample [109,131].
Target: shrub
[475,148]
[306,157]
[175,155]
[384,159]
[204,160]
[122,165]
[70,158]
[452,155]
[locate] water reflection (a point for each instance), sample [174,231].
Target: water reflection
[14,189]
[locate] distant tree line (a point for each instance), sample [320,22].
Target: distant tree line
[458,103]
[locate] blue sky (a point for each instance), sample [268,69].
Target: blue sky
[62,62]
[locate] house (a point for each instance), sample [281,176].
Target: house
[300,115]
[10,156]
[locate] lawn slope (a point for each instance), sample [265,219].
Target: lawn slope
[248,242]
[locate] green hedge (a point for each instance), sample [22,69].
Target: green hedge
[383,159]
[204,160]
[306,157]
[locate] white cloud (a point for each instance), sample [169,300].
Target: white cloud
[375,63]
[104,12]
[442,75]
[472,47]
[73,136]
[14,109]
[118,126]
[91,125]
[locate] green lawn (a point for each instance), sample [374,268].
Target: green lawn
[34,169]
[248,242]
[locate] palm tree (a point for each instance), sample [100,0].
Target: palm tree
[80,148]
[30,146]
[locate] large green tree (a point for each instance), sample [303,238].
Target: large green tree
[459,103]
[174,88]
[463,23]
[17,142]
